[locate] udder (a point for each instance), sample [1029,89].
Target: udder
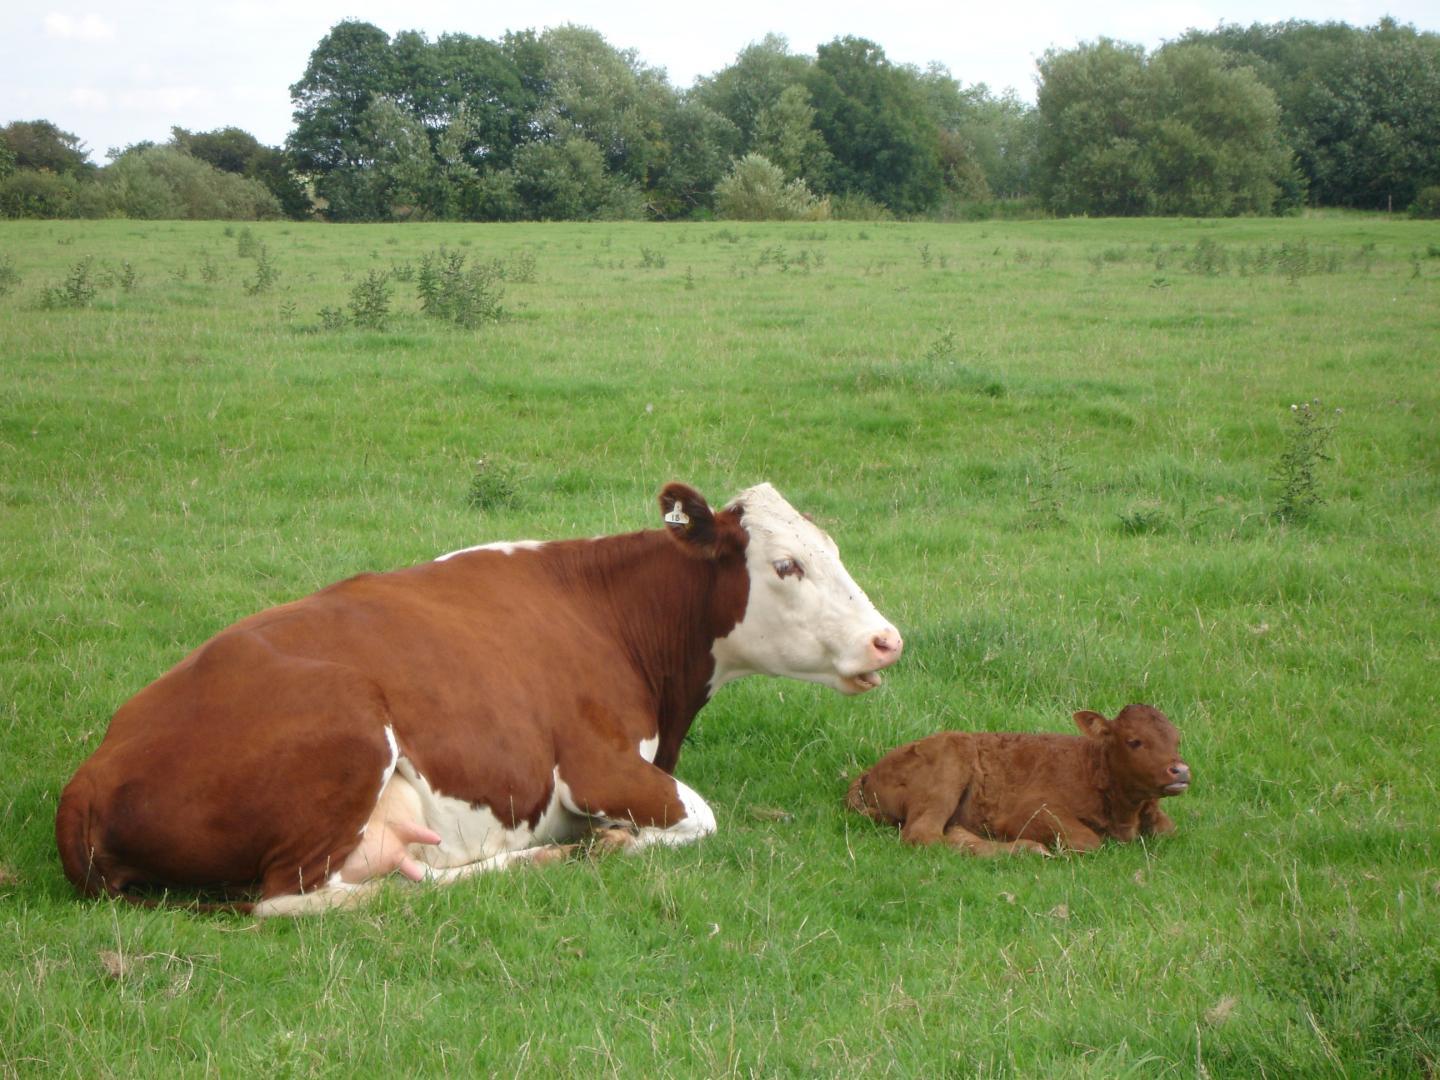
[394,827]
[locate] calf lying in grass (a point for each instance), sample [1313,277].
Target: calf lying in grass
[990,793]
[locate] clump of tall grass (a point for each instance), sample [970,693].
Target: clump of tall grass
[522,267]
[9,276]
[493,484]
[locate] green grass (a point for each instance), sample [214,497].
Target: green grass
[1050,456]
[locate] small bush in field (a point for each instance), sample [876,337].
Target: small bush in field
[78,288]
[466,296]
[370,300]
[266,274]
[1298,471]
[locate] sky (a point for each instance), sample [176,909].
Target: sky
[125,71]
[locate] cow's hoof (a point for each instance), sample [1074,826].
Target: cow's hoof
[606,841]
[553,854]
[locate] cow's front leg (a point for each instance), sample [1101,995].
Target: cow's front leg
[627,791]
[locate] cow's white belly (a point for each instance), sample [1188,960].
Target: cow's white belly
[470,833]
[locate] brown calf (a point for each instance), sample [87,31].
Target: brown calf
[1027,792]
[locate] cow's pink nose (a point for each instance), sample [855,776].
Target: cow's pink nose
[1180,771]
[887,645]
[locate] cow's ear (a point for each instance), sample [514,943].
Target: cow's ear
[1092,724]
[691,523]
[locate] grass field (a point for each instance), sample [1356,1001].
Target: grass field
[1054,453]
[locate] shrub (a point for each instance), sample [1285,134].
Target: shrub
[160,182]
[452,291]
[77,290]
[1427,203]
[34,193]
[370,300]
[1298,471]
[266,273]
[756,190]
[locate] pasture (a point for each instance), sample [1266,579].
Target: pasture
[1054,453]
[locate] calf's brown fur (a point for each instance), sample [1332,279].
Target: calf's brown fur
[990,793]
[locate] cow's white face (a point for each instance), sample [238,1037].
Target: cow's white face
[805,617]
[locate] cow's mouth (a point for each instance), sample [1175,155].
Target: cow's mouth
[858,684]
[1176,788]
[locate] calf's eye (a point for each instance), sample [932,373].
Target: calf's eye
[788,568]
[1134,744]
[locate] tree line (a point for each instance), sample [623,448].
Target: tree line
[562,125]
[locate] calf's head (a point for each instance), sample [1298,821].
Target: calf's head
[805,618]
[1142,748]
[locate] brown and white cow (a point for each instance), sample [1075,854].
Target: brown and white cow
[991,793]
[465,714]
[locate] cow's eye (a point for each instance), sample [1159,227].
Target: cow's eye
[788,568]
[1134,744]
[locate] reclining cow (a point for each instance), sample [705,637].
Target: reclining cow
[989,793]
[464,714]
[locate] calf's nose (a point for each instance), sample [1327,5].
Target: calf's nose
[1180,771]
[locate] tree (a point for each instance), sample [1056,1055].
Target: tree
[1180,133]
[565,179]
[1359,107]
[39,144]
[1091,104]
[233,150]
[1212,135]
[785,133]
[349,68]
[753,85]
[402,177]
[603,95]
[689,159]
[873,118]
[982,137]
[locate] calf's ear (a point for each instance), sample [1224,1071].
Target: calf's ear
[1092,724]
[692,524]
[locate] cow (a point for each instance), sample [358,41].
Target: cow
[463,715]
[991,793]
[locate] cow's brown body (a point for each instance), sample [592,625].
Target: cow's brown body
[468,704]
[994,792]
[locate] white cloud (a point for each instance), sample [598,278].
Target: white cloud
[88,27]
[87,97]
[166,100]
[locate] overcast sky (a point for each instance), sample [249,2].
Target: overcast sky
[124,71]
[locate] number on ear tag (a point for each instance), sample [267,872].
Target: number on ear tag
[677,516]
